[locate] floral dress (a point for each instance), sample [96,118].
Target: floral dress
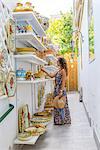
[61,116]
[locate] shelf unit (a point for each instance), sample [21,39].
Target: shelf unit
[29,142]
[30,39]
[32,82]
[30,62]
[30,59]
[31,19]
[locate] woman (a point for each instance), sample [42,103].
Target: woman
[61,116]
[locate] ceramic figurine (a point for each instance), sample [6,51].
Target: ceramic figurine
[29,75]
[28,6]
[19,7]
[29,28]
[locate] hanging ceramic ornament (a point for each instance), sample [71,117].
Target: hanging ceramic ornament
[2,83]
[11,84]
[23,118]
[3,54]
[4,58]
[10,31]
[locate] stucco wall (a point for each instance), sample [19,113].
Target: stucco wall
[90,74]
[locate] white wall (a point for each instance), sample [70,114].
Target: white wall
[90,74]
[8,129]
[10,3]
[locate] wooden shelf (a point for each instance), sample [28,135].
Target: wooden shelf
[31,59]
[30,39]
[31,19]
[29,142]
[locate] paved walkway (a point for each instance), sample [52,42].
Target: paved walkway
[78,136]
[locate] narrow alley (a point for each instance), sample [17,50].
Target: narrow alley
[49,50]
[78,136]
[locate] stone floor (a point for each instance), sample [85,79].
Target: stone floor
[77,136]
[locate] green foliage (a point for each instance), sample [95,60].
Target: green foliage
[60,32]
[91,36]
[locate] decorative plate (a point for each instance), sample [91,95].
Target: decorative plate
[2,76]
[11,84]
[2,89]
[43,113]
[31,129]
[40,131]
[3,53]
[10,29]
[23,118]
[2,83]
[39,120]
[24,136]
[4,58]
[26,116]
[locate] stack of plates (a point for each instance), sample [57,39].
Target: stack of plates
[34,131]
[31,129]
[24,136]
[26,50]
[43,113]
[23,53]
[39,120]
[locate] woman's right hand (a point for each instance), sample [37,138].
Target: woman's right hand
[42,69]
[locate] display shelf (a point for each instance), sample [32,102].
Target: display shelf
[32,82]
[30,18]
[29,142]
[51,57]
[31,59]
[11,107]
[30,39]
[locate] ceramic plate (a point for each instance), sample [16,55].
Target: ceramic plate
[2,83]
[11,84]
[5,58]
[2,89]
[10,30]
[24,136]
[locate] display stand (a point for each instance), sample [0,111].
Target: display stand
[30,39]
[30,62]
[29,142]
[31,19]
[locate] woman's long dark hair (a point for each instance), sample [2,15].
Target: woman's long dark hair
[63,64]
